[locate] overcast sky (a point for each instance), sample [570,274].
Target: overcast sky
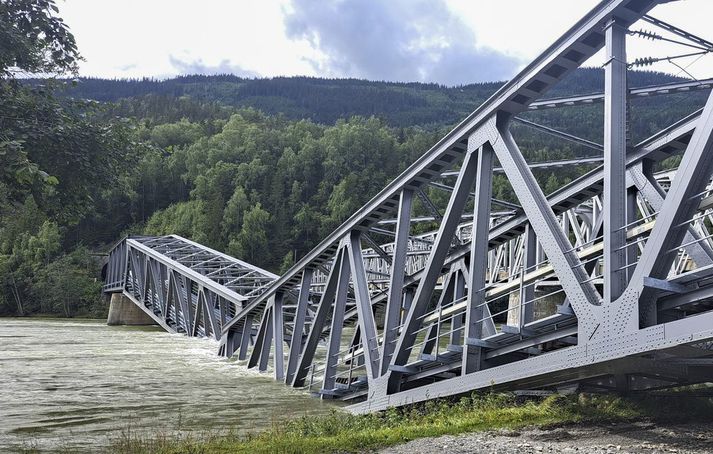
[445,41]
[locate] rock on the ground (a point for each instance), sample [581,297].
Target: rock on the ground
[638,438]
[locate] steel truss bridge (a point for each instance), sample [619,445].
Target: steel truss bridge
[607,283]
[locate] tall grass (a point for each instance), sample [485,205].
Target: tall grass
[343,432]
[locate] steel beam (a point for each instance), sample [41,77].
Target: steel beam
[367,326]
[476,305]
[298,325]
[396,282]
[614,197]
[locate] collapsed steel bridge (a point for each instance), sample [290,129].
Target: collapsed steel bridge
[607,283]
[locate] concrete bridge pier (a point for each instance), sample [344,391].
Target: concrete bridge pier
[122,311]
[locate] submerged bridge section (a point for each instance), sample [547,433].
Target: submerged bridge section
[607,283]
[183,286]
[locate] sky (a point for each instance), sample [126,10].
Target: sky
[450,42]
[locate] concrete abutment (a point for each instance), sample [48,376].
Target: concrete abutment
[123,311]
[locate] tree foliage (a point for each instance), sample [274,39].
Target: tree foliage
[57,157]
[33,39]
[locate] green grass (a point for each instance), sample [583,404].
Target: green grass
[343,432]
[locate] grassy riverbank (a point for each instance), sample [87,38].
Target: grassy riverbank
[342,432]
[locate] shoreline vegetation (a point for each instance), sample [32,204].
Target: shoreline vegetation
[344,432]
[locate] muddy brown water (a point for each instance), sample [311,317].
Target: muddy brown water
[79,385]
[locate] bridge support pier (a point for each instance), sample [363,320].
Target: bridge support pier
[122,311]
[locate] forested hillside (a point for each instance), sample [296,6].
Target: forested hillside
[327,100]
[261,169]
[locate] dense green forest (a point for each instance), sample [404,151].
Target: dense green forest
[323,100]
[259,168]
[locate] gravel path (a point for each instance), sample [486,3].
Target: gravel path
[637,438]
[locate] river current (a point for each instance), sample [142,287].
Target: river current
[79,385]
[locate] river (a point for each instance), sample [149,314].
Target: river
[77,385]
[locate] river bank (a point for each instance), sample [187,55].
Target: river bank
[439,427]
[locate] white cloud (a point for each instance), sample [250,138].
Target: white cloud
[438,40]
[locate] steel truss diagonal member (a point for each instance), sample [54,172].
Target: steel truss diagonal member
[644,181]
[580,291]
[325,305]
[436,258]
[367,326]
[681,202]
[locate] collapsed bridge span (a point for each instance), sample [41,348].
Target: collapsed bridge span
[607,283]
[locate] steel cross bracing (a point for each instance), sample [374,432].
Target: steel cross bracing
[597,284]
[184,286]
[606,283]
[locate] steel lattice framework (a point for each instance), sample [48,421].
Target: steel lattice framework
[606,283]
[185,287]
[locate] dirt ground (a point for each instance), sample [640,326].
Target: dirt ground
[640,437]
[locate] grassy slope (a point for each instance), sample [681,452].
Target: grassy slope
[341,432]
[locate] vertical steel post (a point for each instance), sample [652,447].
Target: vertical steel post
[433,269]
[278,330]
[530,262]
[335,332]
[478,259]
[457,319]
[245,337]
[396,283]
[298,325]
[268,334]
[614,197]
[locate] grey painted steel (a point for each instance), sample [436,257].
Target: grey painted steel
[437,257]
[298,325]
[681,202]
[472,351]
[396,284]
[513,294]
[279,333]
[560,134]
[614,197]
[367,326]
[184,287]
[704,43]
[583,40]
[579,289]
[641,92]
[320,317]
[335,333]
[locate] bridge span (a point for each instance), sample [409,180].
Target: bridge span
[605,284]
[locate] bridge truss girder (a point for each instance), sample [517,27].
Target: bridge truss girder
[411,330]
[183,286]
[605,283]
